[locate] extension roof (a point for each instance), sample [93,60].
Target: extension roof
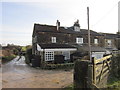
[84,48]
[55,45]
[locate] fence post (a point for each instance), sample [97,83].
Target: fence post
[80,74]
[94,70]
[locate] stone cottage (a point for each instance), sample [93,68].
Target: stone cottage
[51,42]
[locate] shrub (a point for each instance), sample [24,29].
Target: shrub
[7,58]
[115,72]
[28,56]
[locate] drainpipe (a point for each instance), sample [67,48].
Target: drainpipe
[43,61]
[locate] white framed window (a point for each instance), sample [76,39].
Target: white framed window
[79,40]
[109,42]
[53,39]
[97,55]
[49,55]
[76,28]
[66,54]
[95,41]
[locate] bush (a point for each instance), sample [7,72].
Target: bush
[115,72]
[114,78]
[28,56]
[113,84]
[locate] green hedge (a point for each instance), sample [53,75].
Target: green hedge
[115,72]
[114,78]
[59,66]
[28,56]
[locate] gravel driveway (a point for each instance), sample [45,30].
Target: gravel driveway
[16,74]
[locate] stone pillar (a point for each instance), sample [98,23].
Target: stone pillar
[80,74]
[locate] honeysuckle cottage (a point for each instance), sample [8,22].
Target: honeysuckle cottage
[57,44]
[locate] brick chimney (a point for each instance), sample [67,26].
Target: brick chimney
[58,24]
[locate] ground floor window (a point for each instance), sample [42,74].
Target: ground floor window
[98,55]
[66,54]
[49,55]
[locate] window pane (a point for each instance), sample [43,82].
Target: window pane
[79,40]
[53,39]
[109,42]
[96,41]
[49,56]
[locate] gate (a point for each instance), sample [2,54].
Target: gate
[100,71]
[92,74]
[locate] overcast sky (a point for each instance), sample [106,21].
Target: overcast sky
[19,16]
[119,16]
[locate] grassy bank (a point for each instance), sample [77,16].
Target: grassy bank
[114,83]
[7,58]
[69,87]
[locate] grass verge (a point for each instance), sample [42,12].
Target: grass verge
[114,83]
[69,87]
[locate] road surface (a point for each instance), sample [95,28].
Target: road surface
[16,74]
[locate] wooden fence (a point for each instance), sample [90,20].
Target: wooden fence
[97,73]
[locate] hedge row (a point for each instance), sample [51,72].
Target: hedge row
[59,66]
[8,58]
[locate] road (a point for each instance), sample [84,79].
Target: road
[16,74]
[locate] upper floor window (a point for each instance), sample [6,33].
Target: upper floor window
[95,41]
[76,28]
[53,39]
[109,42]
[79,40]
